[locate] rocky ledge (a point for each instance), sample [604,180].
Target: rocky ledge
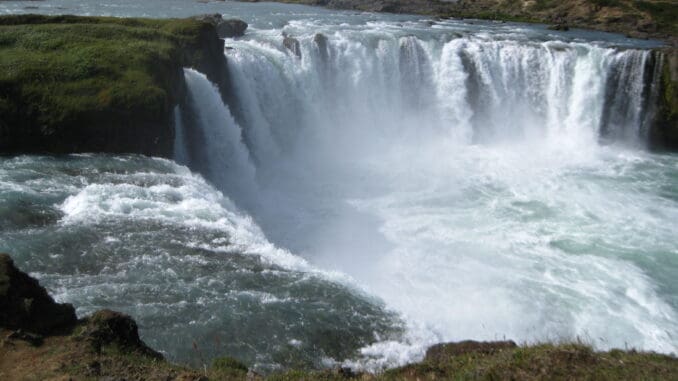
[99,84]
[41,339]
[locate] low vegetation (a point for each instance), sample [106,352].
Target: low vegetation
[71,357]
[94,77]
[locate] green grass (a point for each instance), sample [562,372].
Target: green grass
[547,361]
[538,362]
[57,71]
[227,368]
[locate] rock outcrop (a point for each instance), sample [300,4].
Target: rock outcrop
[665,131]
[112,91]
[231,28]
[321,43]
[25,305]
[30,312]
[228,28]
[106,327]
[292,44]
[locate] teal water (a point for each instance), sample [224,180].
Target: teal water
[146,237]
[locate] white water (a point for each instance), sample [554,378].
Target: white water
[149,238]
[461,180]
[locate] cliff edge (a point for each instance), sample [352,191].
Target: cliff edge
[98,84]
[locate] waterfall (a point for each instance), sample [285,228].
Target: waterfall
[353,89]
[181,155]
[467,181]
[349,96]
[214,146]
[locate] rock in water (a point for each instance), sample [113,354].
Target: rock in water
[24,304]
[225,28]
[231,28]
[293,45]
[323,48]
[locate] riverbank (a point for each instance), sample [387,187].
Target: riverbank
[98,84]
[35,344]
[641,19]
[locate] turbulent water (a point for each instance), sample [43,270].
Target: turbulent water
[399,183]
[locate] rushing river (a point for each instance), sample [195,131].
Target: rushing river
[397,183]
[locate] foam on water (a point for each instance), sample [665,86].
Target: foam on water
[460,179]
[147,237]
[528,250]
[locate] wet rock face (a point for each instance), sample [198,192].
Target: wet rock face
[293,45]
[442,352]
[26,305]
[320,41]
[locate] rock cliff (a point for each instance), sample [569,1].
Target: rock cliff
[96,84]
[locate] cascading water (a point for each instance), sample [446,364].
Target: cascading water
[461,179]
[215,147]
[430,180]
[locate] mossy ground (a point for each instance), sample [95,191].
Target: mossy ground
[63,76]
[71,357]
[64,66]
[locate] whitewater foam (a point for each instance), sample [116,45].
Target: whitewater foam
[460,179]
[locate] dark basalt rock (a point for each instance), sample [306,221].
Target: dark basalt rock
[664,132]
[225,28]
[320,41]
[442,352]
[292,44]
[26,305]
[231,28]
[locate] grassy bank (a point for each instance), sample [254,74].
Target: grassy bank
[73,84]
[71,357]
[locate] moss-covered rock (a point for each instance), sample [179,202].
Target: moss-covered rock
[106,328]
[97,84]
